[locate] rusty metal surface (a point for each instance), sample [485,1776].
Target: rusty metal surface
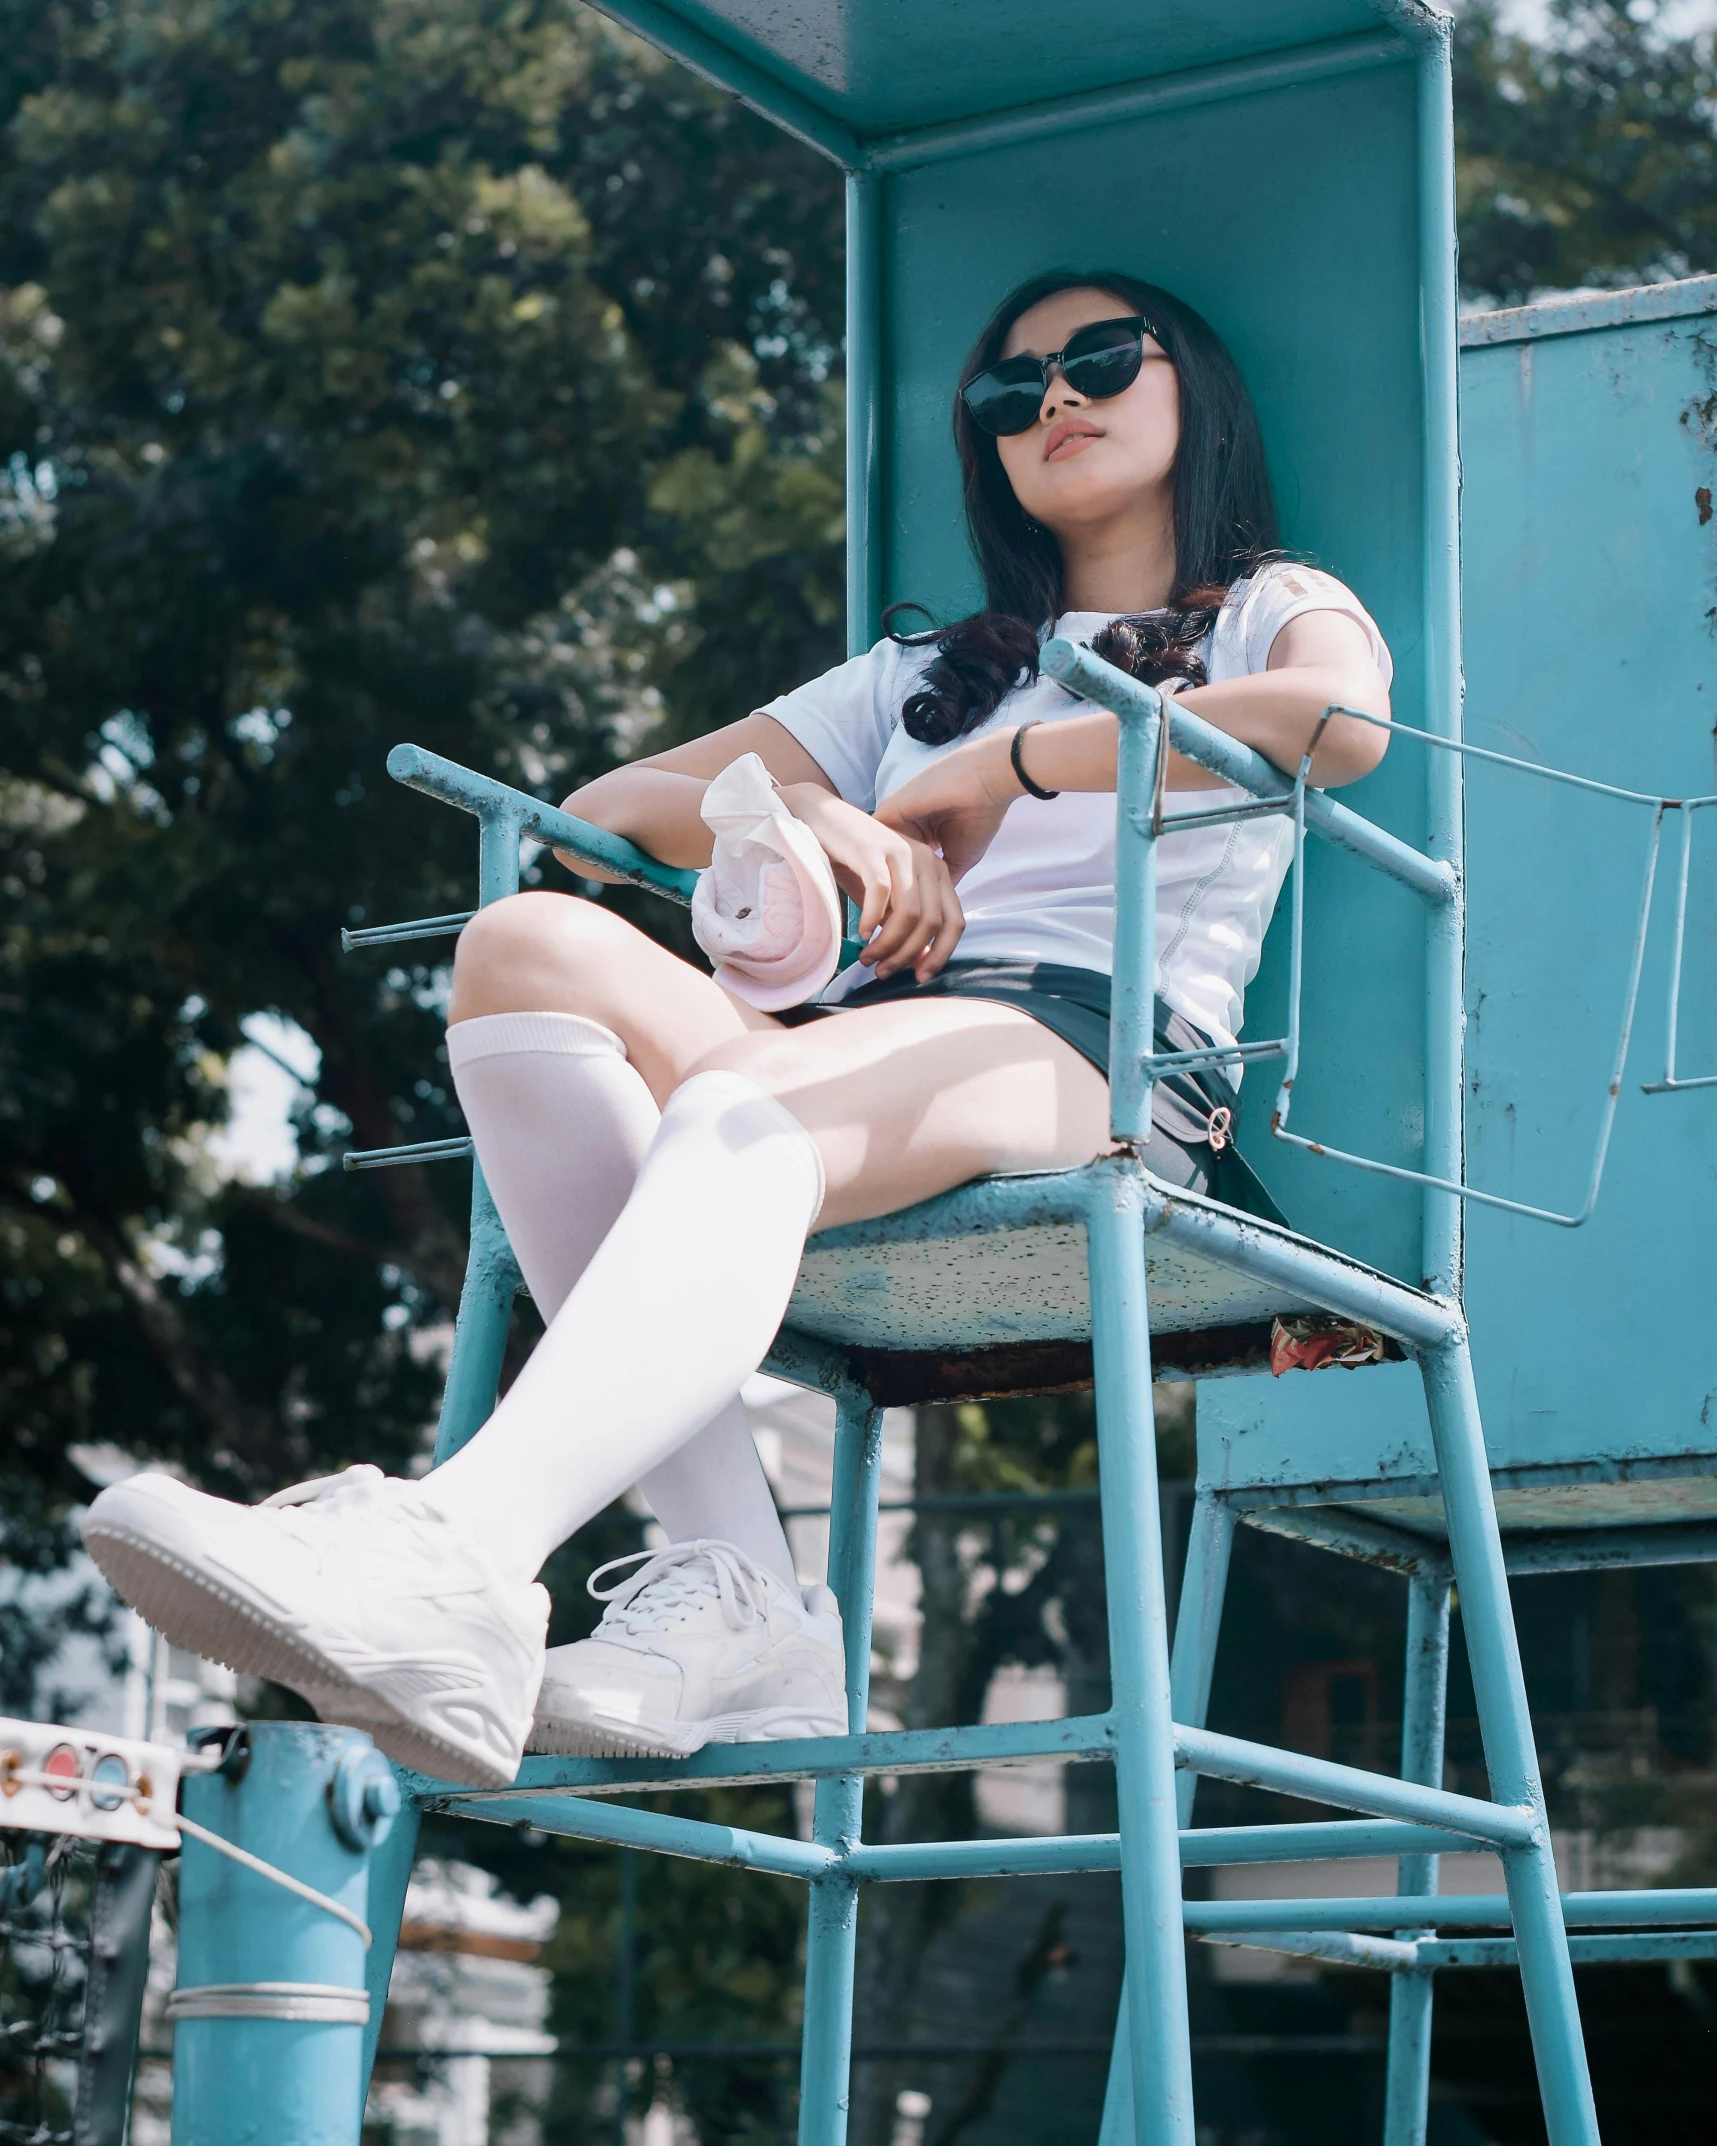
[987,1292]
[1584,311]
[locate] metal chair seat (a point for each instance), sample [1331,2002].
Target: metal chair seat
[986,1290]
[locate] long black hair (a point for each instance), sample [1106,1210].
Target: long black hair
[1224,524]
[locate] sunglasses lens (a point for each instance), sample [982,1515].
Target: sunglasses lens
[1099,361]
[1105,358]
[1007,398]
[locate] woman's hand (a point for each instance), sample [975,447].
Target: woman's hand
[909,914]
[957,803]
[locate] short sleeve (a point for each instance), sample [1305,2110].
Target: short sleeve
[845,718]
[1285,591]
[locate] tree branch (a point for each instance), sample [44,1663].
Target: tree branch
[238,1426]
[284,1215]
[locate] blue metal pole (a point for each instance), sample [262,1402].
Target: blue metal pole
[1156,2014]
[1198,1623]
[1493,1651]
[492,1281]
[1132,1035]
[270,2003]
[831,1938]
[1445,950]
[1407,2090]
[865,359]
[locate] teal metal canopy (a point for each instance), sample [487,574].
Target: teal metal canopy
[866,80]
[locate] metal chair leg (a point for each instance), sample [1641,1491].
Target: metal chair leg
[1203,1583]
[1475,1542]
[1408,2088]
[1197,1627]
[831,1939]
[1156,2014]
[468,1400]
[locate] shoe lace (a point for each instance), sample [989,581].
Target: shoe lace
[668,1581]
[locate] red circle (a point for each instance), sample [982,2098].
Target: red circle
[62,1763]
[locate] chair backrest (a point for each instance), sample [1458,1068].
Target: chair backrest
[1286,165]
[1588,433]
[1290,215]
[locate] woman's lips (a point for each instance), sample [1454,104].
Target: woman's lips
[1069,436]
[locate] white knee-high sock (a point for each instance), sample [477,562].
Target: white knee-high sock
[561,1121]
[675,1309]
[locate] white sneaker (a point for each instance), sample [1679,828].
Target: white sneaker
[351,1590]
[700,1645]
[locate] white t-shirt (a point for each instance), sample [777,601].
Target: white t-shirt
[1045,888]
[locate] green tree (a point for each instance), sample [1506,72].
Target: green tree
[456,370]
[1588,159]
[366,371]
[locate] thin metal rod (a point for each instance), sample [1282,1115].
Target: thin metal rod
[397,934]
[1407,2081]
[1607,1116]
[507,814]
[1308,1272]
[832,1927]
[866,356]
[1321,1840]
[1078,114]
[492,1281]
[1289,1773]
[1349,1534]
[1441,1223]
[662,1832]
[1203,1848]
[454,1150]
[1341,1948]
[1132,1033]
[1607,1910]
[1225,816]
[1468,751]
[1505,1723]
[810,1758]
[1197,1628]
[1671,1083]
[1156,2000]
[1092,679]
[1637,1948]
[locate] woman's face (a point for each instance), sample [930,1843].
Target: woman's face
[1085,463]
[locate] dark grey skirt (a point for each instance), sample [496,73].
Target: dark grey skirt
[1192,1114]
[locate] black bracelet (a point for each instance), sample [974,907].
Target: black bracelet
[1031,789]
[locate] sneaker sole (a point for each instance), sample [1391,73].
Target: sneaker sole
[677,1739]
[195,1612]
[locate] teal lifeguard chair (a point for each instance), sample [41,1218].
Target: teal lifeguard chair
[1289,169]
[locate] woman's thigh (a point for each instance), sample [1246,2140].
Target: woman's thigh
[909,1099]
[556,953]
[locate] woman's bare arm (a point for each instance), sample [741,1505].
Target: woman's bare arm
[1319,660]
[958,801]
[655,802]
[909,914]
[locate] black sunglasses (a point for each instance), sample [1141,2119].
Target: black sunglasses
[1101,360]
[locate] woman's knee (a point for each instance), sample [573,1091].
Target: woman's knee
[531,951]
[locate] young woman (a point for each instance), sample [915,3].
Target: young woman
[659,1151]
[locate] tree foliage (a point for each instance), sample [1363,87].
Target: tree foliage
[369,369]
[1588,159]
